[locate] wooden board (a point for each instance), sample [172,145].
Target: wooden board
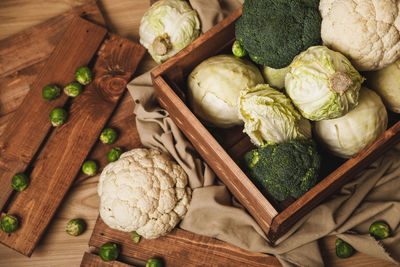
[179,248]
[92,260]
[67,147]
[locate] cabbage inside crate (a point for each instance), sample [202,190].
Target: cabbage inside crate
[222,148]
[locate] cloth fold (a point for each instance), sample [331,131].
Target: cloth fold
[372,196]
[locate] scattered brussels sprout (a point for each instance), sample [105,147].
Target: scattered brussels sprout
[238,49]
[9,223]
[75,227]
[73,89]
[83,75]
[379,230]
[19,182]
[343,249]
[58,116]
[89,167]
[135,237]
[50,92]
[114,154]
[154,262]
[108,136]
[109,251]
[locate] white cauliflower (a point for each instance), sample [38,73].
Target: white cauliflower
[143,191]
[366,31]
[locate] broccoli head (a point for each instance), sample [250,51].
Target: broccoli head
[274,31]
[287,169]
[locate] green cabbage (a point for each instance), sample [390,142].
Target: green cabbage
[349,134]
[275,77]
[167,27]
[214,87]
[270,117]
[322,84]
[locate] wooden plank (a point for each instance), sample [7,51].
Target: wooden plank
[334,181]
[60,160]
[181,248]
[36,43]
[92,260]
[30,124]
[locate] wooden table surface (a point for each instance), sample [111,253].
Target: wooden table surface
[57,248]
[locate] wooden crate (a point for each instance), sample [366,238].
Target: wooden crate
[275,218]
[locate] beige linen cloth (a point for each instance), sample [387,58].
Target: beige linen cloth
[373,195]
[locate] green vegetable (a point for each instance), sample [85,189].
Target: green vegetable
[287,169]
[379,230]
[275,77]
[343,249]
[154,262]
[75,227]
[58,116]
[9,224]
[238,49]
[73,89]
[269,116]
[89,167]
[214,87]
[135,237]
[349,134]
[83,75]
[114,154]
[323,84]
[167,27]
[19,182]
[273,32]
[50,92]
[109,251]
[108,136]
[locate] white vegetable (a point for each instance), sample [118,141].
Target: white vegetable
[348,135]
[214,87]
[269,116]
[143,191]
[322,83]
[167,27]
[366,31]
[275,77]
[386,82]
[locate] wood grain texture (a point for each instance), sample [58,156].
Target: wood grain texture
[30,124]
[181,248]
[92,260]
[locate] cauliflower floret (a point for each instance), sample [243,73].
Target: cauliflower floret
[143,191]
[366,31]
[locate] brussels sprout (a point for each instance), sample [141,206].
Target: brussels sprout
[58,116]
[108,136]
[135,237]
[114,154]
[19,182]
[50,92]
[83,75]
[9,223]
[154,262]
[109,251]
[75,227]
[238,49]
[89,167]
[343,249]
[379,230]
[73,89]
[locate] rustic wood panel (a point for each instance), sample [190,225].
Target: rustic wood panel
[30,124]
[181,248]
[92,260]
[60,160]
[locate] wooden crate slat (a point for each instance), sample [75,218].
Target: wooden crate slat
[92,260]
[36,43]
[30,124]
[61,158]
[180,248]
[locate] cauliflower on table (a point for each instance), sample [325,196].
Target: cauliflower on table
[143,191]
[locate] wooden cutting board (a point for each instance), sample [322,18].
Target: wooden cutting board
[53,157]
